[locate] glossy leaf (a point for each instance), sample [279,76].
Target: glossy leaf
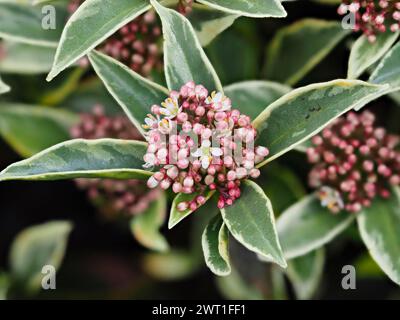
[93,22]
[249,8]
[305,111]
[364,53]
[215,245]
[251,222]
[79,158]
[379,227]
[209,23]
[307,226]
[23,23]
[290,66]
[388,70]
[30,129]
[184,59]
[134,93]
[23,58]
[36,247]
[177,216]
[305,273]
[252,97]
[145,227]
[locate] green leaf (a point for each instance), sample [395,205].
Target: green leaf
[252,97]
[305,273]
[3,87]
[313,39]
[236,44]
[307,226]
[305,111]
[35,247]
[4,285]
[209,23]
[388,70]
[215,243]
[93,22]
[379,227]
[234,287]
[184,58]
[170,266]
[145,227]
[177,216]
[249,8]
[134,93]
[79,158]
[251,222]
[30,129]
[23,58]
[23,23]
[364,54]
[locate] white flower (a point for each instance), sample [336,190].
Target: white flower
[219,101]
[165,125]
[206,152]
[171,108]
[151,122]
[331,199]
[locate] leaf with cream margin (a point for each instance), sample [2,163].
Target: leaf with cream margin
[93,22]
[30,129]
[184,58]
[36,247]
[388,70]
[307,225]
[145,226]
[177,216]
[251,222]
[24,58]
[305,273]
[215,243]
[364,54]
[23,23]
[305,111]
[209,23]
[134,93]
[252,97]
[290,66]
[79,158]
[379,226]
[249,8]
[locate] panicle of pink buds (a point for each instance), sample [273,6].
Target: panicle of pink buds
[372,16]
[354,162]
[200,143]
[138,44]
[112,197]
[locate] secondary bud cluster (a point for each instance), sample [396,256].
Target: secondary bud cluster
[354,162]
[138,44]
[112,197]
[373,17]
[201,144]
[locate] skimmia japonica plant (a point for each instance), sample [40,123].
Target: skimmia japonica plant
[209,145]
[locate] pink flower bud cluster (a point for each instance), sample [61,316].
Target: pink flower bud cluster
[138,44]
[373,17]
[112,197]
[354,162]
[179,134]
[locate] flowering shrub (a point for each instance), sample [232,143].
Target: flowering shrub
[373,17]
[205,140]
[354,162]
[214,165]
